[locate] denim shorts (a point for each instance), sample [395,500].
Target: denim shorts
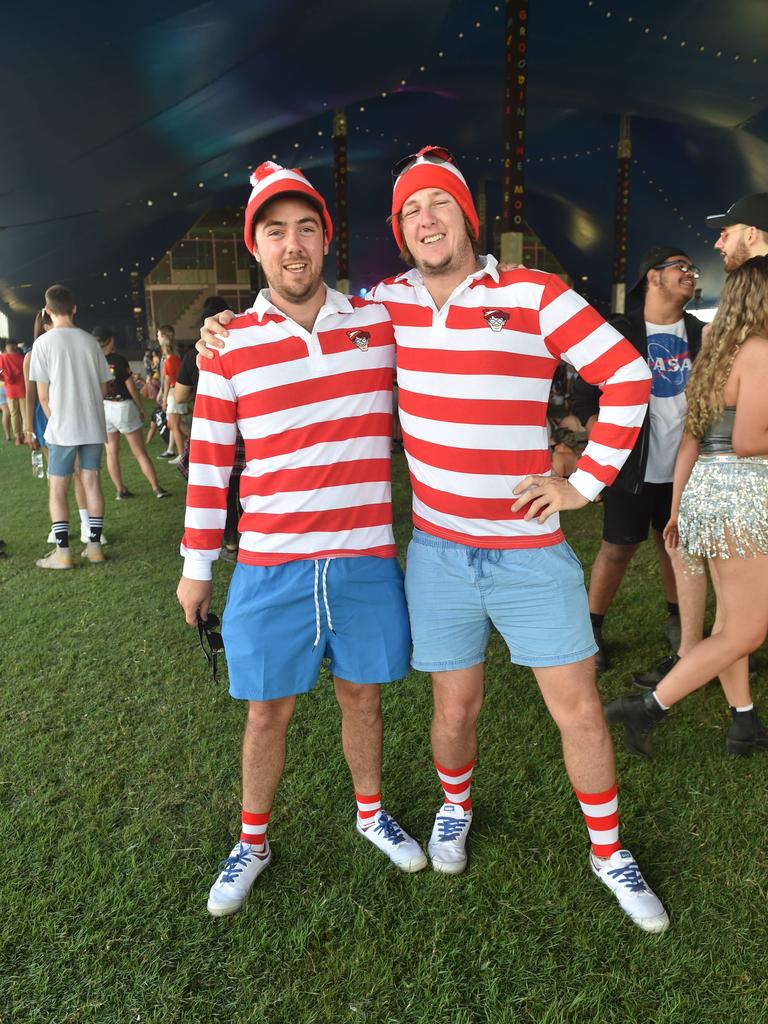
[535,598]
[61,458]
[281,621]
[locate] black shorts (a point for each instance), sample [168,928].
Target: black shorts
[626,516]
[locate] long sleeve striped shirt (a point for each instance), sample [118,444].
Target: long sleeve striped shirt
[315,412]
[474,379]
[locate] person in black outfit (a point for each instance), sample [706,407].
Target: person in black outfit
[641,495]
[124,414]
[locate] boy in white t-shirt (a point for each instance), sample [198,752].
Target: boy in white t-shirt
[71,374]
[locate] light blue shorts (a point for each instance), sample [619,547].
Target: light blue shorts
[281,621]
[61,458]
[535,597]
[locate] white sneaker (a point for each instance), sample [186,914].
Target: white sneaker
[59,558]
[638,901]
[240,870]
[85,535]
[387,836]
[449,838]
[51,538]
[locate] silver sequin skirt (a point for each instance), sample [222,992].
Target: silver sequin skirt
[724,509]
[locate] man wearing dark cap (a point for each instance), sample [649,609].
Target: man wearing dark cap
[641,496]
[743,230]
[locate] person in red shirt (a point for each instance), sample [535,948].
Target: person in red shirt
[174,411]
[12,372]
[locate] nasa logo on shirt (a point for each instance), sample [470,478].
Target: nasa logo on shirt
[670,364]
[495,318]
[360,338]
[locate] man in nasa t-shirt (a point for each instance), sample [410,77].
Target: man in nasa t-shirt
[641,495]
[670,363]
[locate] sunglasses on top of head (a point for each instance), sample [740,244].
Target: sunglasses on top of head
[432,154]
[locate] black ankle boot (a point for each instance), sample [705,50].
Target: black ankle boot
[746,733]
[639,715]
[602,663]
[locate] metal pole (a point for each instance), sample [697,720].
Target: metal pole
[341,227]
[621,223]
[515,98]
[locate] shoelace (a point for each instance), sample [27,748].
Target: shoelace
[450,829]
[392,831]
[232,866]
[325,601]
[629,877]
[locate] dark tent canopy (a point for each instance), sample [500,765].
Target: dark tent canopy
[123,124]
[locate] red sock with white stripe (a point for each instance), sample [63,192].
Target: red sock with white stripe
[367,808]
[601,813]
[457,783]
[254,829]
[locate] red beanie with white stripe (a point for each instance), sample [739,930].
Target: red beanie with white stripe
[269,181]
[425,173]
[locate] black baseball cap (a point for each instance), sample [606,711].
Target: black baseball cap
[102,334]
[652,258]
[749,210]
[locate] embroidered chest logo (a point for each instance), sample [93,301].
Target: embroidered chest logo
[360,338]
[495,318]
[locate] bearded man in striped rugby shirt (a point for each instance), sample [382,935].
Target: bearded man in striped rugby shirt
[306,376]
[477,347]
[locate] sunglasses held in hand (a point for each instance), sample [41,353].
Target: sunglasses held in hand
[211,641]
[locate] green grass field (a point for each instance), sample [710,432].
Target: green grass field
[119,794]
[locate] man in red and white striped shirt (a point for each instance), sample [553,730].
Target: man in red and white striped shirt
[306,376]
[476,352]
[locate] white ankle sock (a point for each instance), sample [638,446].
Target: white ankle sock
[747,707]
[662,706]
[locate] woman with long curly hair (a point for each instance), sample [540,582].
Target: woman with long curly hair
[720,512]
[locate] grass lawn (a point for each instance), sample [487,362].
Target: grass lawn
[119,794]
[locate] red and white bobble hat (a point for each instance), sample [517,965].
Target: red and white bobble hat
[269,181]
[425,173]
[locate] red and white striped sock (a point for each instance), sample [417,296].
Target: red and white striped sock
[601,813]
[254,829]
[367,808]
[457,783]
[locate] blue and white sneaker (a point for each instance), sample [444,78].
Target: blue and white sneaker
[239,871]
[635,897]
[387,836]
[447,845]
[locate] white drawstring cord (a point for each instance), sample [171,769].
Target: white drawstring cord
[325,597]
[325,601]
[317,610]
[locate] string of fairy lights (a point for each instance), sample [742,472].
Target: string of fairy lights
[315,147]
[656,33]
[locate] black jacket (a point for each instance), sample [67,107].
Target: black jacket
[585,397]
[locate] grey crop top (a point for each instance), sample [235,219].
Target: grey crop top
[719,435]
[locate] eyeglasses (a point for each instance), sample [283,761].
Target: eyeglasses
[211,643]
[682,266]
[432,154]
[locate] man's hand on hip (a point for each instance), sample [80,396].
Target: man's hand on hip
[195,598]
[212,326]
[546,495]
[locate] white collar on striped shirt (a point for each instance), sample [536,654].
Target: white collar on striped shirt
[488,265]
[335,302]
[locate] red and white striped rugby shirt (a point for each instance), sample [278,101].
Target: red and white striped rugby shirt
[474,379]
[315,412]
